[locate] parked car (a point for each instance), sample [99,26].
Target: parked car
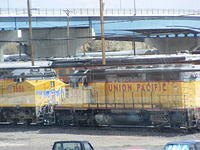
[72,145]
[134,149]
[182,145]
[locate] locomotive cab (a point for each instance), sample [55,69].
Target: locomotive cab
[28,96]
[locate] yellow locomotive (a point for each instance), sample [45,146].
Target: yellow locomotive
[146,95]
[159,95]
[29,94]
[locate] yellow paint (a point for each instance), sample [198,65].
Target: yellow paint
[139,95]
[151,94]
[145,95]
[25,94]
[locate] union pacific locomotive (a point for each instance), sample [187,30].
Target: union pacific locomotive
[158,95]
[161,92]
[28,94]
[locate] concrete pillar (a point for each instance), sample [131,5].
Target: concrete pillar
[169,45]
[56,45]
[197,45]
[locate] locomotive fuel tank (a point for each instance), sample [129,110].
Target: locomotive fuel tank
[122,118]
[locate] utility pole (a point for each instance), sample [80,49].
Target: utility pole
[67,13]
[30,32]
[102,32]
[8,6]
[133,42]
[134,8]
[133,45]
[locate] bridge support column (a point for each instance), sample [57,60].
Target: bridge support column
[197,46]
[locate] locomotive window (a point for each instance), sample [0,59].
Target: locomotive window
[3,73]
[171,76]
[74,84]
[18,79]
[49,74]
[52,83]
[47,69]
[154,76]
[34,70]
[98,78]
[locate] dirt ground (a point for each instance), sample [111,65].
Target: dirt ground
[42,138]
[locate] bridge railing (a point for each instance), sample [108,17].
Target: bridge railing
[95,12]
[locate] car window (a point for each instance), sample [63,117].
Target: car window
[198,146]
[192,147]
[58,146]
[87,146]
[71,146]
[67,146]
[177,147]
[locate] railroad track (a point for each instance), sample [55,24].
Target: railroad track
[113,128]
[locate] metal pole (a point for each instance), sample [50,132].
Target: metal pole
[134,8]
[133,42]
[102,32]
[68,34]
[8,5]
[30,32]
[133,45]
[67,13]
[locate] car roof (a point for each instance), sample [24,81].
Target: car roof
[71,142]
[184,142]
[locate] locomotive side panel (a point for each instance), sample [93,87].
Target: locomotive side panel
[79,97]
[141,95]
[48,92]
[151,98]
[99,93]
[17,94]
[17,101]
[197,93]
[29,101]
[138,95]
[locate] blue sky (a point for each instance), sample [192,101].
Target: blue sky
[169,4]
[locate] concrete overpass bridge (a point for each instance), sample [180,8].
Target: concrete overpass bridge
[114,18]
[117,22]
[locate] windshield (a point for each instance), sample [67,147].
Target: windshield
[176,147]
[67,146]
